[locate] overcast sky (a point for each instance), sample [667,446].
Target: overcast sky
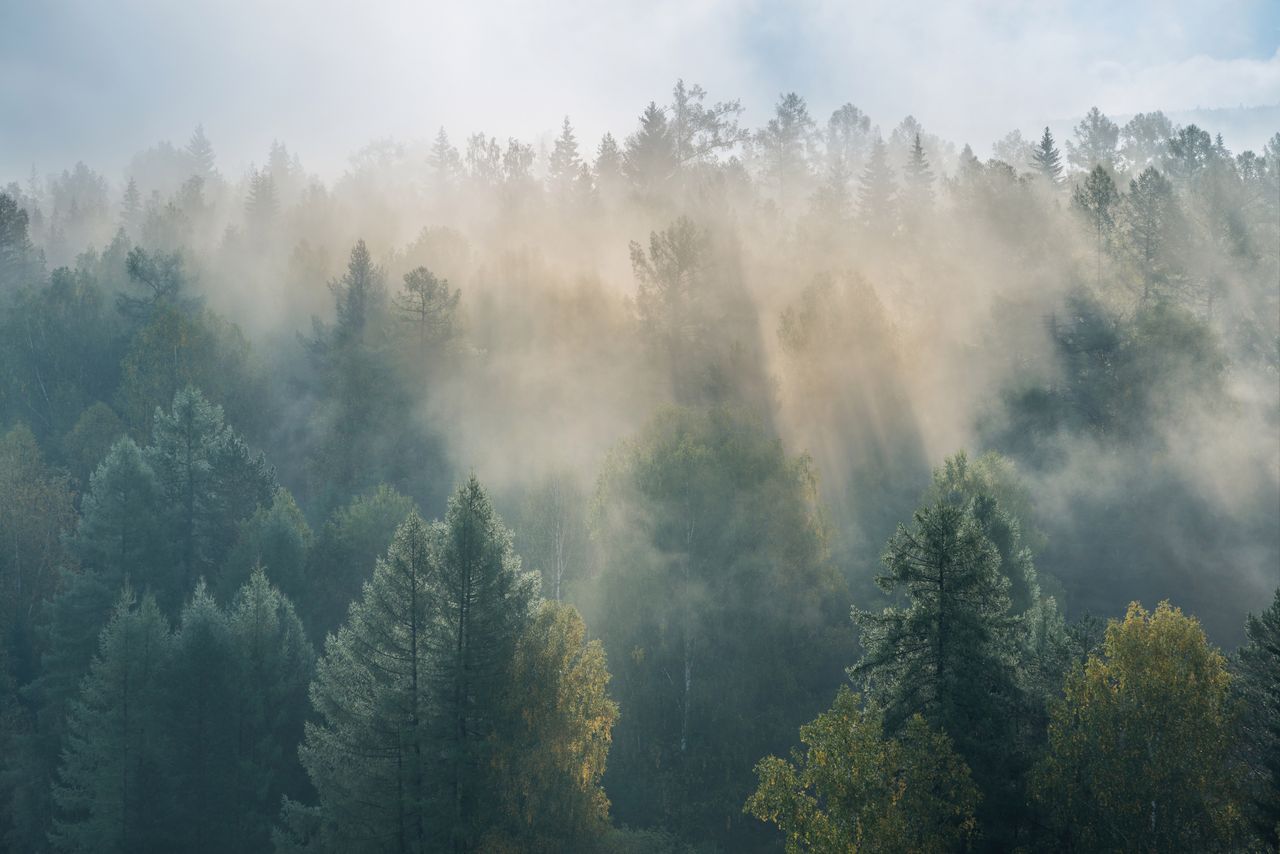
[97,80]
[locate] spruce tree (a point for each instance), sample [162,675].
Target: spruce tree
[1047,160]
[200,150]
[200,688]
[110,792]
[483,600]
[917,196]
[563,167]
[650,160]
[210,481]
[274,662]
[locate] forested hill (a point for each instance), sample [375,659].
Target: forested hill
[493,497]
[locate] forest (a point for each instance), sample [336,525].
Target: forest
[821,486]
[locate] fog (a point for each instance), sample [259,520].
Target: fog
[706,343]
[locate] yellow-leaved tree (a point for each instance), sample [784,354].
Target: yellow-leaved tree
[1140,754]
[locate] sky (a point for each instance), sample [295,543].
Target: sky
[96,81]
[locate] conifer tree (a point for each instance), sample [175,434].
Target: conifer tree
[370,753]
[200,689]
[1047,160]
[1095,142]
[482,599]
[877,212]
[200,150]
[1095,199]
[131,207]
[1258,685]
[274,662]
[210,482]
[564,165]
[110,795]
[650,159]
[949,654]
[917,196]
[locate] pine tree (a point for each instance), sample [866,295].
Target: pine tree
[1095,142]
[948,655]
[1258,685]
[1095,198]
[483,600]
[785,146]
[1047,160]
[1149,220]
[109,793]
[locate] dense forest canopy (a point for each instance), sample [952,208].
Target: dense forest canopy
[493,496]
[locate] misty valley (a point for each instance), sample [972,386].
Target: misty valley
[806,484]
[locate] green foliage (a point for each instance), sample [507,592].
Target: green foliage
[1257,684]
[949,654]
[549,766]
[210,481]
[109,793]
[1139,752]
[717,596]
[346,551]
[856,789]
[276,537]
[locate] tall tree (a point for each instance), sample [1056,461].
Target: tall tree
[1150,220]
[550,764]
[210,482]
[200,684]
[1046,159]
[369,753]
[564,164]
[877,212]
[1258,685]
[917,195]
[650,161]
[109,793]
[200,150]
[1095,142]
[717,595]
[274,663]
[786,146]
[948,653]
[1139,747]
[483,599]
[1095,198]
